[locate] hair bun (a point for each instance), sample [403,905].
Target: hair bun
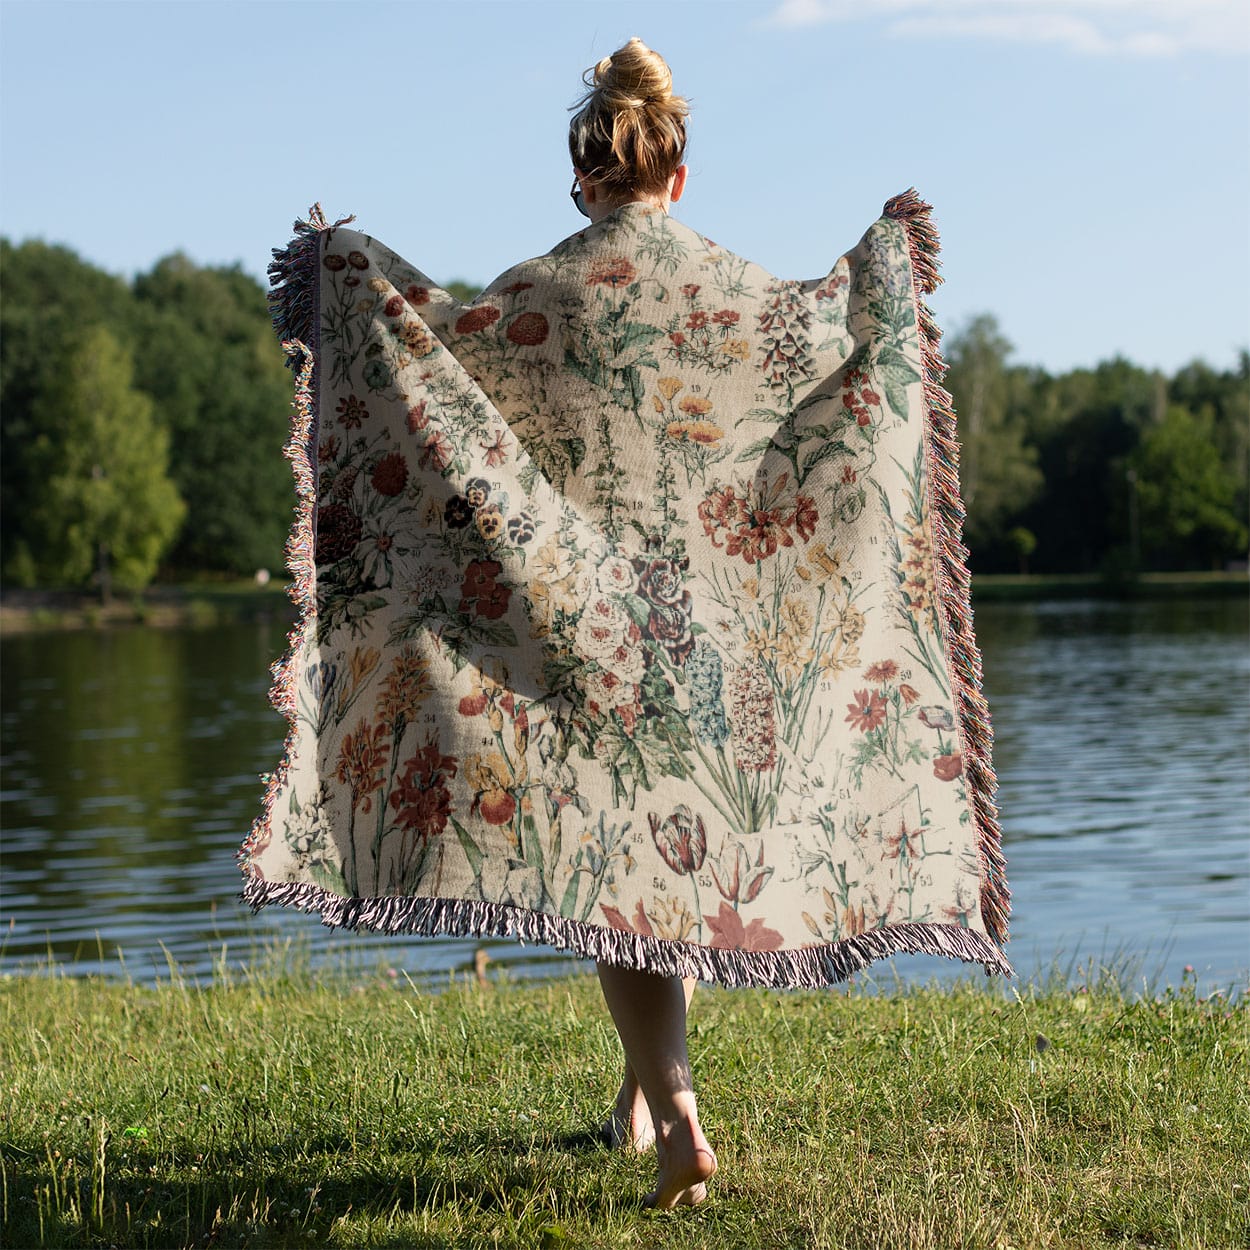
[633,76]
[629,132]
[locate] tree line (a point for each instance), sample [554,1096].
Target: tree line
[142,425]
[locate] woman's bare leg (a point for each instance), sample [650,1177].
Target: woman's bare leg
[650,1015]
[629,1124]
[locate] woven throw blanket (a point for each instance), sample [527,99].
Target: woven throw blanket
[634,616]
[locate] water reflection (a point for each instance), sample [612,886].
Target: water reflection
[131,761]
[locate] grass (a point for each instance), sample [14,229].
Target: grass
[293,1109]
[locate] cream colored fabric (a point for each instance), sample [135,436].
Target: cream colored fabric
[627,633]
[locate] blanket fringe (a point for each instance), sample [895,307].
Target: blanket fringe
[293,274]
[293,298]
[807,968]
[951,567]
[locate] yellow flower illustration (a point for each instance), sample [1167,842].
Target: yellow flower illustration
[695,405]
[488,771]
[826,562]
[364,660]
[759,643]
[668,387]
[671,919]
[705,432]
[796,616]
[791,656]
[553,562]
[740,349]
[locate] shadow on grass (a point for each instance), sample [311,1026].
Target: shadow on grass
[257,1198]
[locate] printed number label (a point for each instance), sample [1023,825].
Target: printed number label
[659,884]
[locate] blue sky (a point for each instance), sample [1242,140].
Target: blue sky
[1089,160]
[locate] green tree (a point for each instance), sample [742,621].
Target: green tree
[1223,398]
[51,296]
[208,357]
[1085,424]
[997,466]
[103,502]
[1185,495]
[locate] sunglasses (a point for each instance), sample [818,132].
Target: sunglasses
[576,196]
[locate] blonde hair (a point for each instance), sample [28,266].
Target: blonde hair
[629,133]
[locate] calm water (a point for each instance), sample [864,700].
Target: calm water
[131,760]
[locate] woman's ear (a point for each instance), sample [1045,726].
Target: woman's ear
[588,186]
[678,184]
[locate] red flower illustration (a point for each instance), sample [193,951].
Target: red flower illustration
[416,295]
[681,839]
[760,536]
[328,450]
[417,420]
[869,397]
[493,605]
[362,756]
[909,694]
[722,510]
[690,290]
[437,451]
[726,317]
[477,319]
[334,262]
[696,321]
[390,474]
[868,712]
[883,670]
[517,287]
[528,330]
[394,306]
[358,260]
[615,272]
[480,593]
[473,704]
[948,767]
[338,531]
[730,934]
[421,798]
[805,517]
[479,577]
[497,807]
[496,451]
[351,412]
[617,920]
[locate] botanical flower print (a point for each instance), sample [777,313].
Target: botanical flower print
[626,608]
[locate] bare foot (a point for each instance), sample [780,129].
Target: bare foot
[629,1126]
[686,1165]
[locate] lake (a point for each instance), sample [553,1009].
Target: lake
[130,775]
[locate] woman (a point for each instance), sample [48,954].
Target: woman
[628,142]
[635,619]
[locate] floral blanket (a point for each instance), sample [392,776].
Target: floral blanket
[634,615]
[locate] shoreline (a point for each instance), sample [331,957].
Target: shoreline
[203,604]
